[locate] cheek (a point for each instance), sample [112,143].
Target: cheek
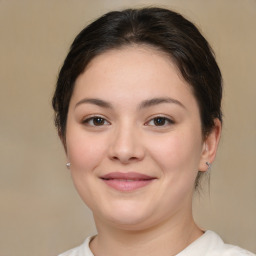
[178,158]
[84,152]
[179,152]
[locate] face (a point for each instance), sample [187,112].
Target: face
[134,138]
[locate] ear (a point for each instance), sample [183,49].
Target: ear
[210,146]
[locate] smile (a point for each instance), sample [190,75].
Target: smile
[127,182]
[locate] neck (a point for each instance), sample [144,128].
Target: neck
[164,239]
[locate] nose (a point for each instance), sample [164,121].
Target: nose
[127,145]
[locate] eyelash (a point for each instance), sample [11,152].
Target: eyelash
[163,121]
[91,121]
[167,121]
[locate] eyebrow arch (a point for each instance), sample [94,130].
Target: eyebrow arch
[98,102]
[156,101]
[144,104]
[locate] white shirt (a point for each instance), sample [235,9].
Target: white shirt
[209,244]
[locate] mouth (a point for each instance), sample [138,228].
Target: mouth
[127,181]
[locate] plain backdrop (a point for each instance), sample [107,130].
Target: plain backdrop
[40,211]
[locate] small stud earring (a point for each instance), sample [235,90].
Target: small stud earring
[68,165]
[209,165]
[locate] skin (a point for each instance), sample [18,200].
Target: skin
[155,219]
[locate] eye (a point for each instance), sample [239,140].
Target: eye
[96,121]
[160,121]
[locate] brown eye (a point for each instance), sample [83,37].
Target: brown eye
[95,121]
[159,121]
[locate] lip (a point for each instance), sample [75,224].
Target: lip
[129,181]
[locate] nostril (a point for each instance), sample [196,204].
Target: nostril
[126,147]
[125,159]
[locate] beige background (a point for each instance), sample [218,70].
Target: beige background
[40,212]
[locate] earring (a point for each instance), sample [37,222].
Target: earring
[68,165]
[209,165]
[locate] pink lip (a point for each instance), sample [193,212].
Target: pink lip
[127,181]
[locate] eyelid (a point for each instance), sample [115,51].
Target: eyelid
[169,120]
[87,119]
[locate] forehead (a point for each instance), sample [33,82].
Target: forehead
[132,71]
[133,54]
[143,57]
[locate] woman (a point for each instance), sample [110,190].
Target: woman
[138,109]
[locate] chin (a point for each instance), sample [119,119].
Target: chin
[130,224]
[126,217]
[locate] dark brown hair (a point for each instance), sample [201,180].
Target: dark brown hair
[163,29]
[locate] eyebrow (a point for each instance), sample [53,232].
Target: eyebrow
[157,101]
[98,102]
[143,104]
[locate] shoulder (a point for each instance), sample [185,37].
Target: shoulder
[210,244]
[221,248]
[82,250]
[231,250]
